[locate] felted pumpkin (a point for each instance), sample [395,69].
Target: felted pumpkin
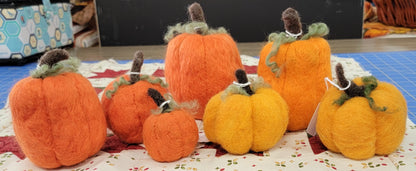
[126,103]
[199,60]
[244,118]
[295,66]
[170,133]
[57,116]
[366,119]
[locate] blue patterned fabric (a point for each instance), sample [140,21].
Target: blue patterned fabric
[29,30]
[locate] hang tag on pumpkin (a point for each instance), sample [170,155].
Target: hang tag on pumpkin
[311,130]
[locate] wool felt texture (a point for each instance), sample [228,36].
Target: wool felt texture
[43,71]
[55,62]
[240,122]
[292,22]
[358,130]
[53,57]
[170,135]
[126,103]
[303,65]
[128,108]
[58,120]
[199,64]
[195,12]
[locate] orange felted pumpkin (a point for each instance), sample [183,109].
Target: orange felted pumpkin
[367,118]
[199,61]
[295,66]
[126,103]
[245,117]
[57,116]
[171,133]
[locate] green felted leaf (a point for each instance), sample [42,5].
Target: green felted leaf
[193,27]
[116,85]
[69,65]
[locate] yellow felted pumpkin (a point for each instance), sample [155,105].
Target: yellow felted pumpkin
[171,133]
[295,65]
[126,103]
[244,118]
[367,118]
[199,61]
[57,116]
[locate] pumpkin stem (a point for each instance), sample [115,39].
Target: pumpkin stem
[53,56]
[354,90]
[196,13]
[370,83]
[136,67]
[157,98]
[242,79]
[291,21]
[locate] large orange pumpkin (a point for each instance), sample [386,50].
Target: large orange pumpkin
[296,66]
[199,61]
[367,118]
[171,133]
[126,103]
[57,116]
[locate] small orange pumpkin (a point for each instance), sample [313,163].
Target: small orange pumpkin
[199,61]
[126,103]
[244,117]
[304,62]
[367,118]
[171,133]
[57,116]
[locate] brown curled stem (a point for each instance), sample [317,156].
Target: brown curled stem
[53,56]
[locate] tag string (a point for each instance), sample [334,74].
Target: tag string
[294,35]
[242,84]
[134,73]
[164,103]
[197,28]
[336,85]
